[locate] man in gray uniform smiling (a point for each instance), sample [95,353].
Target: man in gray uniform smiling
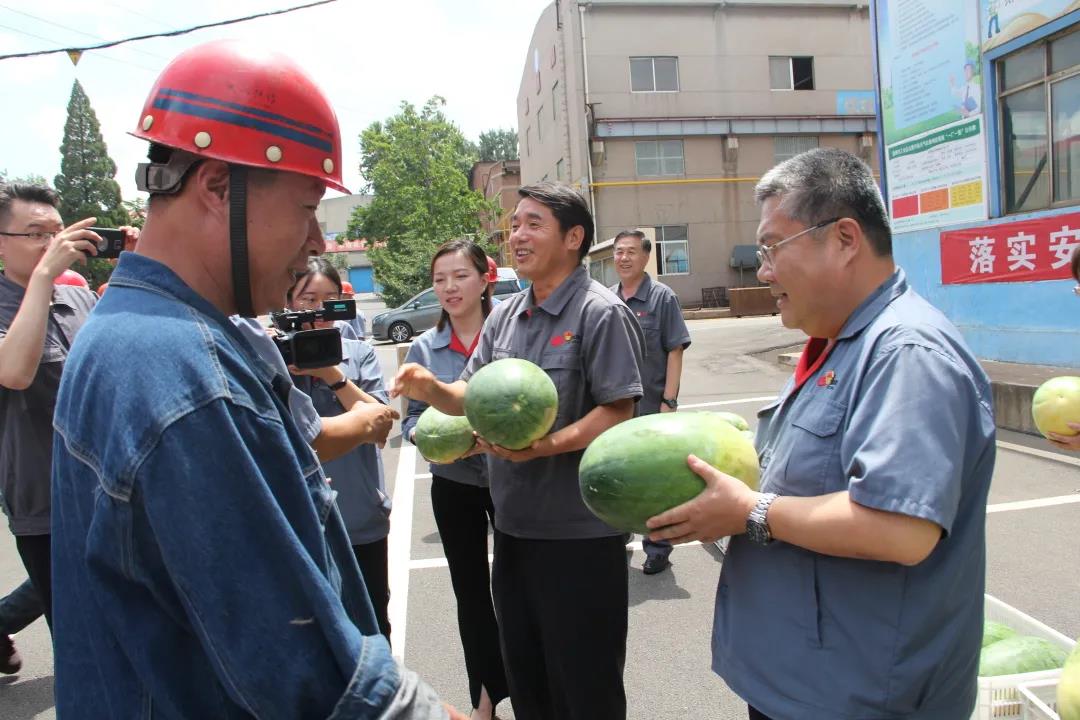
[657,310]
[560,575]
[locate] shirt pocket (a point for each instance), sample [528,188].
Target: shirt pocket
[564,369]
[813,452]
[650,327]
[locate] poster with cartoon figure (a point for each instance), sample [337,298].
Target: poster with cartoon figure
[1004,20]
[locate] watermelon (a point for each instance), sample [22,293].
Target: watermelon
[1055,404]
[511,403]
[637,469]
[1020,654]
[734,419]
[1068,691]
[994,631]
[443,438]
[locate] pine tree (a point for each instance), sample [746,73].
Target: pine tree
[85,182]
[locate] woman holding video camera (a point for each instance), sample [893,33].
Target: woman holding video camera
[460,498]
[357,476]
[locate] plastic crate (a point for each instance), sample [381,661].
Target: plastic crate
[999,697]
[1039,700]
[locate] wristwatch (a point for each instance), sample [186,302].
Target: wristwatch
[757,526]
[672,403]
[339,384]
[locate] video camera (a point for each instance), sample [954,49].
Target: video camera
[316,347]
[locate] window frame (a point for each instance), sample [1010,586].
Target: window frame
[1046,82]
[652,61]
[661,241]
[776,156]
[791,73]
[659,157]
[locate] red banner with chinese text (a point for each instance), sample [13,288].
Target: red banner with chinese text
[1012,252]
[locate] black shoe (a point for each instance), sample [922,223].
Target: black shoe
[10,662]
[655,564]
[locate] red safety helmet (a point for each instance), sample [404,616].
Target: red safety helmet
[493,271]
[247,105]
[346,287]
[70,277]
[101,288]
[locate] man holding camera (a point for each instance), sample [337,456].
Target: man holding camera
[38,321]
[202,567]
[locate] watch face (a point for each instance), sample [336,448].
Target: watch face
[757,532]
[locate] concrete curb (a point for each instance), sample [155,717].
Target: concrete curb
[706,314]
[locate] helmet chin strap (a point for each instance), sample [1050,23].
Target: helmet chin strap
[238,245]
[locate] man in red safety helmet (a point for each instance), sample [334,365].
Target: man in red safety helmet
[201,567]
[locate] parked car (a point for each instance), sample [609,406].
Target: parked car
[421,312]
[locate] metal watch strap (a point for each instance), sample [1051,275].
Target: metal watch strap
[757,526]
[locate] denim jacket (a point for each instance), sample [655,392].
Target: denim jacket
[200,566]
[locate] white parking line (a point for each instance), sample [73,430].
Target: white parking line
[399,546]
[440,562]
[1044,454]
[740,401]
[1031,504]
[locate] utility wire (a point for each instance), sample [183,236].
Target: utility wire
[74,30]
[99,57]
[172,33]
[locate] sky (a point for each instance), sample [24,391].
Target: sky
[367,56]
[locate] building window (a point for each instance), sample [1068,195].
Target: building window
[559,170]
[659,157]
[673,250]
[654,74]
[540,124]
[602,270]
[1040,140]
[555,100]
[791,73]
[786,147]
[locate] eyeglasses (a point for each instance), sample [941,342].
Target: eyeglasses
[764,252]
[37,236]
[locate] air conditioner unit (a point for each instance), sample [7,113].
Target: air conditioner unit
[597,152]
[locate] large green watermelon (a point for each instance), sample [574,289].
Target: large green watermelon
[511,402]
[1068,691]
[1020,654]
[995,631]
[637,469]
[443,438]
[734,419]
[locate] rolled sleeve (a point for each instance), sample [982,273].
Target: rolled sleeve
[254,593]
[614,357]
[906,440]
[676,334]
[305,414]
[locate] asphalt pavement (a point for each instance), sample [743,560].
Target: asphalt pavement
[1032,552]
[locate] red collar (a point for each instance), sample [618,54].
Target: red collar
[812,358]
[459,347]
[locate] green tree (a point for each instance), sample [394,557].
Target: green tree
[416,164]
[31,179]
[498,145]
[85,182]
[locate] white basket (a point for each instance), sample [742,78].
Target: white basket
[1039,700]
[999,697]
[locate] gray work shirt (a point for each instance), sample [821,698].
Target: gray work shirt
[300,406]
[657,310]
[587,341]
[26,416]
[898,415]
[357,477]
[432,350]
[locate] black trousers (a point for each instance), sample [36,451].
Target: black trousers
[755,715]
[462,514]
[371,557]
[36,554]
[562,607]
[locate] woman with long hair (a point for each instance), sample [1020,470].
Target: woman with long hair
[460,498]
[357,476]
